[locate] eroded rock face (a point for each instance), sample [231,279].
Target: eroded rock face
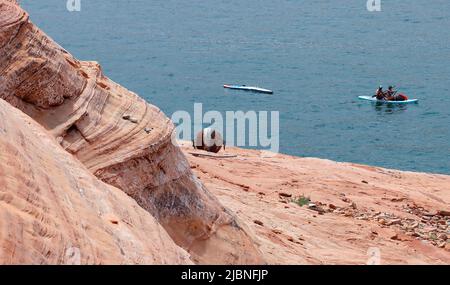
[118,136]
[33,66]
[188,211]
[54,211]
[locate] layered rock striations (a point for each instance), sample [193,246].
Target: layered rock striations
[54,211]
[120,138]
[88,175]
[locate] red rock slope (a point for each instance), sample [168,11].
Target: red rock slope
[53,211]
[118,136]
[357,209]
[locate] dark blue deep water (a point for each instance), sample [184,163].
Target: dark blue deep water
[317,56]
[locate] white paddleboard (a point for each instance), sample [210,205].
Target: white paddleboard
[248,88]
[373,99]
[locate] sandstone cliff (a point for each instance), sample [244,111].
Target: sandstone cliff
[119,137]
[53,211]
[88,175]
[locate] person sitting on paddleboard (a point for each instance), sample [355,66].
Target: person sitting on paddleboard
[391,95]
[380,93]
[390,92]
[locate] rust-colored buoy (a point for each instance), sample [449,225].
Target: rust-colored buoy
[209,140]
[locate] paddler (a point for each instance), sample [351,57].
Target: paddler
[391,95]
[379,93]
[390,92]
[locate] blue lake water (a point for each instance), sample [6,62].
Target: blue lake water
[317,56]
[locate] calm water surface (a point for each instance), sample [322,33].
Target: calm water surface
[317,56]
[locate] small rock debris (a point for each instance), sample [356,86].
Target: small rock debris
[258,222]
[129,118]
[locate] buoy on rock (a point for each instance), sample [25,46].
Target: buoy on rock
[209,140]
